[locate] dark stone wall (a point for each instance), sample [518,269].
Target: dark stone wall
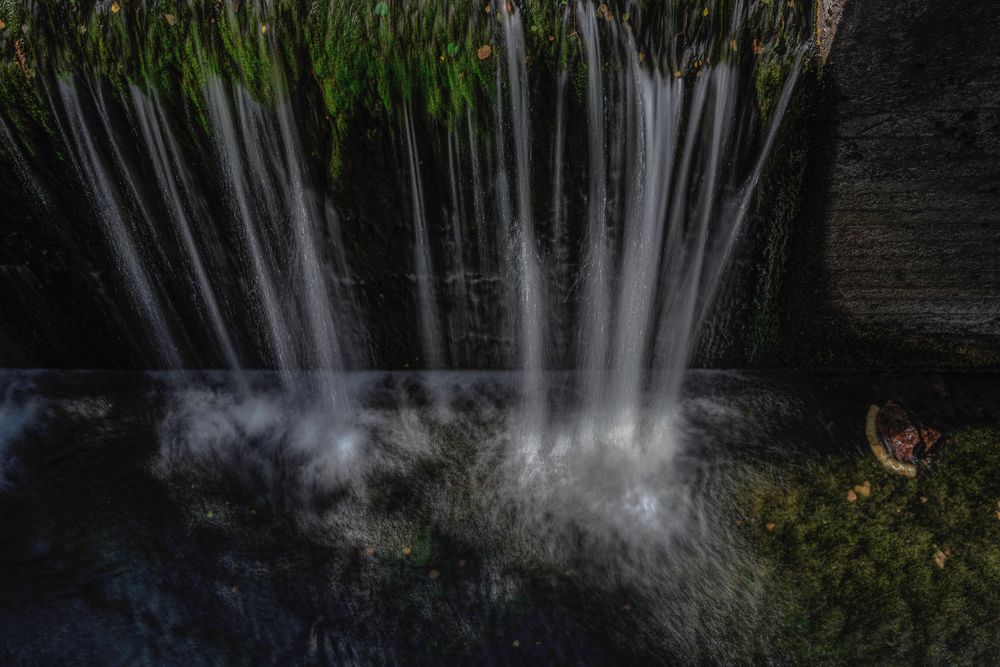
[896,255]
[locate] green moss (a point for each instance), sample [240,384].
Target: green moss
[858,582]
[362,61]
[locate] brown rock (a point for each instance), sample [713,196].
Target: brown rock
[902,434]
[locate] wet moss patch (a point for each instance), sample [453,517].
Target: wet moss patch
[909,573]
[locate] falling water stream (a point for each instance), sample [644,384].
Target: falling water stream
[667,194]
[549,253]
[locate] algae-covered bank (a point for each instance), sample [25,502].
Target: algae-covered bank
[377,332]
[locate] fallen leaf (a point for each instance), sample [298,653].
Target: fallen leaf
[758,47]
[851,496]
[941,556]
[83,29]
[452,49]
[484,52]
[705,13]
[864,490]
[732,44]
[263,28]
[368,552]
[604,12]
[382,9]
[433,574]
[115,8]
[407,551]
[3,25]
[170,19]
[770,527]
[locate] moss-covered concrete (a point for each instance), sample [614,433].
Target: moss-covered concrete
[873,568]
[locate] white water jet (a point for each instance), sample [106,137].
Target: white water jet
[531,290]
[261,267]
[170,174]
[430,333]
[110,208]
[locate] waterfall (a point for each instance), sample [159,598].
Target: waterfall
[578,214]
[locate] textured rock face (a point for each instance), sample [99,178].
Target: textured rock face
[896,257]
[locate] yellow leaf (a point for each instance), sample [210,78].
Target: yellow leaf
[705,13]
[484,52]
[170,19]
[115,8]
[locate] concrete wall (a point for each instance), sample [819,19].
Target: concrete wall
[896,254]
